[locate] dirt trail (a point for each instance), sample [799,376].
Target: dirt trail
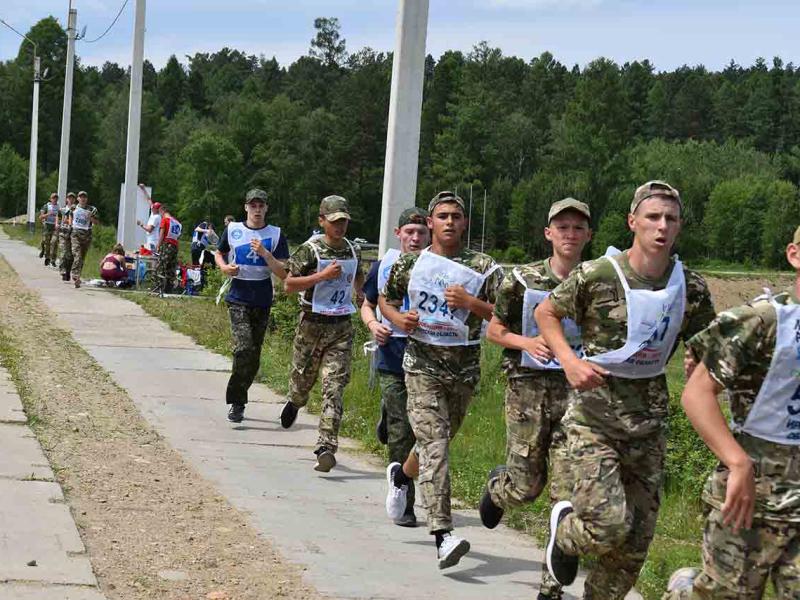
[152,527]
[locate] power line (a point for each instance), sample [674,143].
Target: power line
[114,22]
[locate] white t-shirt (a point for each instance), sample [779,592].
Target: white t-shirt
[152,237]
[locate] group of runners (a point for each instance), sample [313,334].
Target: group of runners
[67,230]
[585,349]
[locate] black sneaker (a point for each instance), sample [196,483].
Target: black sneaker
[41,254]
[542,596]
[563,567]
[381,429]
[236,413]
[288,415]
[46,262]
[489,511]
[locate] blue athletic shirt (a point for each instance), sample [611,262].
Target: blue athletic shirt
[252,293]
[390,355]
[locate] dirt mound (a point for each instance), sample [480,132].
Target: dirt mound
[736,290]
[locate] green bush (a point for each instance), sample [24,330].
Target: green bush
[104,237]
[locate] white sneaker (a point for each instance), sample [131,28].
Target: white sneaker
[682,579]
[395,496]
[451,551]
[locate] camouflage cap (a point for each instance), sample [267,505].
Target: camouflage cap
[655,188]
[255,194]
[54,195]
[70,194]
[568,204]
[407,216]
[334,208]
[796,238]
[446,196]
[82,193]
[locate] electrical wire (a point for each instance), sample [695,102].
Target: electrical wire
[114,22]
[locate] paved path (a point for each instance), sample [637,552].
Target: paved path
[41,554]
[334,525]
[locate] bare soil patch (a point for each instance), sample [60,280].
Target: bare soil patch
[733,291]
[152,527]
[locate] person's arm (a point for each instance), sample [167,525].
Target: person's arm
[380,332]
[581,374]
[457,297]
[499,333]
[406,321]
[699,401]
[273,263]
[222,263]
[146,195]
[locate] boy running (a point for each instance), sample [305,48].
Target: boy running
[752,531]
[413,233]
[249,252]
[632,308]
[64,235]
[84,217]
[450,290]
[48,216]
[326,271]
[537,391]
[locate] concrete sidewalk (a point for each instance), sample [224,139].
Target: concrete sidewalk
[41,554]
[333,525]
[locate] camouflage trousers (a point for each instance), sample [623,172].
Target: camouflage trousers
[616,497]
[167,263]
[248,327]
[534,437]
[400,436]
[326,349]
[436,409]
[49,243]
[738,566]
[65,244]
[80,239]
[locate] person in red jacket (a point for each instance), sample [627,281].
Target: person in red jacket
[167,249]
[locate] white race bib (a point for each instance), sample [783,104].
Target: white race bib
[251,266]
[334,297]
[384,268]
[654,322]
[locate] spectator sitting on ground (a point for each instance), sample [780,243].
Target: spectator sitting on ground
[112,267]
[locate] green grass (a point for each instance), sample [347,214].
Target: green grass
[480,445]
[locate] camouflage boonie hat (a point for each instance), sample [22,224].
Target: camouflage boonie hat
[655,188]
[255,194]
[568,204]
[796,238]
[407,216]
[334,208]
[446,196]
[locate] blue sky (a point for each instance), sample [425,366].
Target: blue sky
[668,32]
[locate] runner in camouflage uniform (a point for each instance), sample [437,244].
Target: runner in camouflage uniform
[325,270]
[84,217]
[249,252]
[752,531]
[413,233]
[536,393]
[48,215]
[616,419]
[451,290]
[64,236]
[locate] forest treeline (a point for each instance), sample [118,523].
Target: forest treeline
[524,131]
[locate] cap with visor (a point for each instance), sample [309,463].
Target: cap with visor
[568,204]
[446,196]
[255,195]
[412,215]
[653,189]
[334,208]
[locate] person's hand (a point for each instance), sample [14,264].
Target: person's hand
[231,270]
[457,297]
[539,349]
[380,332]
[138,222]
[584,375]
[332,271]
[689,363]
[257,247]
[740,497]
[409,321]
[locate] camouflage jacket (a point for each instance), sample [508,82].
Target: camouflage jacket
[594,297]
[442,362]
[303,262]
[508,308]
[737,350]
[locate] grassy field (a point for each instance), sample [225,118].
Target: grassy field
[480,445]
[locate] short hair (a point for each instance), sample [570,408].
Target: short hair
[118,249]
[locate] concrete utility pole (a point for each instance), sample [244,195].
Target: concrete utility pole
[34,146]
[405,113]
[126,234]
[66,116]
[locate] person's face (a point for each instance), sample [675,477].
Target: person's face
[69,200]
[569,233]
[656,224]
[256,210]
[54,199]
[413,237]
[83,200]
[447,223]
[227,221]
[334,230]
